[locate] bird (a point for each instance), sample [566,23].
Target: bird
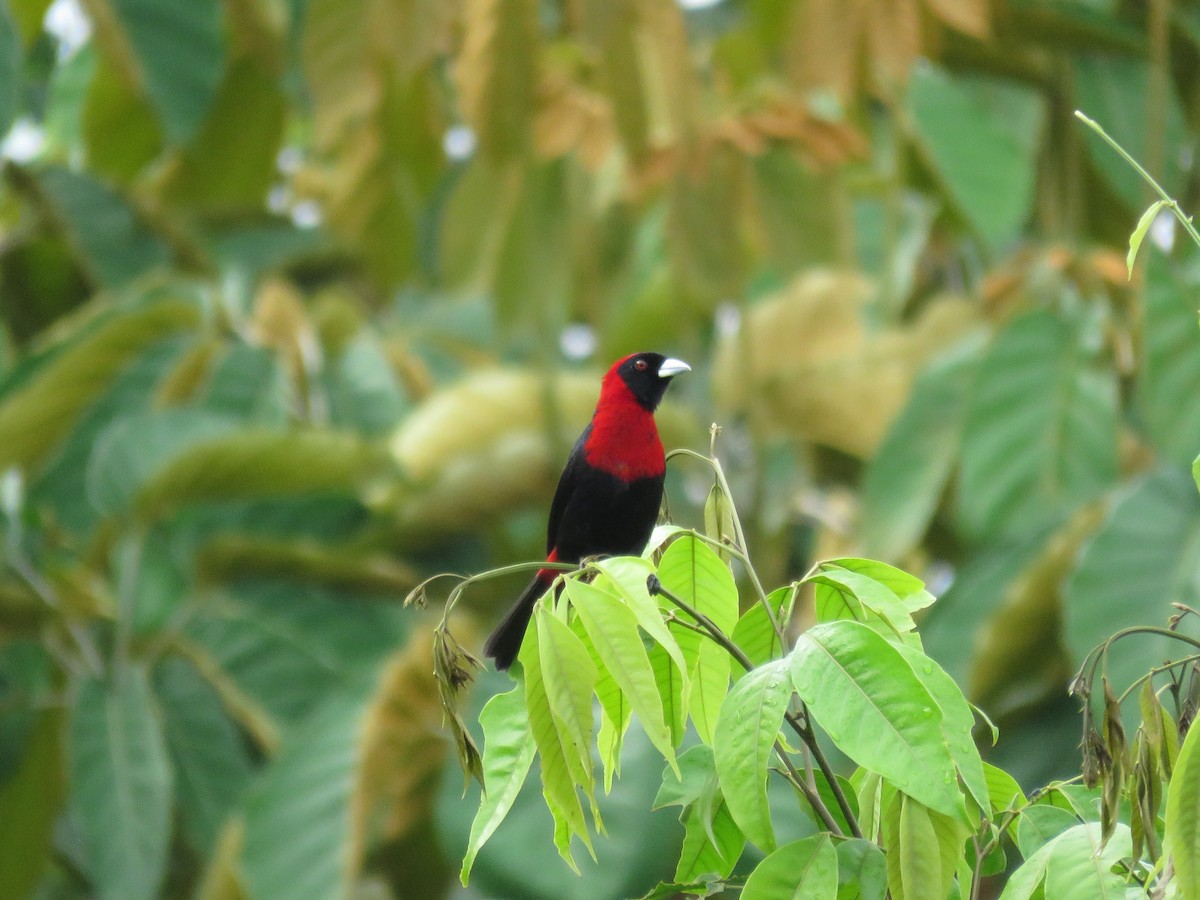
[610,490]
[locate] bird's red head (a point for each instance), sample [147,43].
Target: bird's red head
[644,375]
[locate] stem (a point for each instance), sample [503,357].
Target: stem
[814,799]
[655,587]
[744,554]
[1167,199]
[1157,670]
[805,730]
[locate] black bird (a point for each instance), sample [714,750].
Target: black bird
[609,492]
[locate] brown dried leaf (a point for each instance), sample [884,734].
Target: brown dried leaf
[404,745]
[973,17]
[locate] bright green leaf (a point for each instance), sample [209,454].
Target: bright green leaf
[508,751]
[743,743]
[867,698]
[754,632]
[802,870]
[862,870]
[958,722]
[570,678]
[1183,815]
[700,854]
[1139,233]
[612,628]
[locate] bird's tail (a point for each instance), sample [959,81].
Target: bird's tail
[504,643]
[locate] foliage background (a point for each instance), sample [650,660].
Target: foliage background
[303,299]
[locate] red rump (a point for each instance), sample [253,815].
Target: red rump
[624,440]
[548,575]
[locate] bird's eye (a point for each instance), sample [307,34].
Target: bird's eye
[640,365]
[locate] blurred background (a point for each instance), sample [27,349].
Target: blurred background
[303,300]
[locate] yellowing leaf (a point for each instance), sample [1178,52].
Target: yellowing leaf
[497,73]
[805,362]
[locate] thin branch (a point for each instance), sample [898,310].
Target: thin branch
[1167,199]
[806,733]
[655,587]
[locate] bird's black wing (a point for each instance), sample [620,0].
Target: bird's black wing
[568,484]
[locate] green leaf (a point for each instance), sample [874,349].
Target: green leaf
[1139,233]
[979,135]
[914,859]
[1139,561]
[628,575]
[37,415]
[208,755]
[1041,429]
[180,52]
[28,16]
[697,777]
[1168,386]
[802,870]
[121,784]
[906,476]
[290,646]
[30,804]
[230,163]
[300,839]
[845,594]
[1081,864]
[1041,823]
[867,698]
[569,678]
[508,751]
[958,722]
[1112,89]
[1183,816]
[754,632]
[743,742]
[694,572]
[862,870]
[259,463]
[135,447]
[613,630]
[107,235]
[712,842]
[10,69]
[118,126]
[1003,791]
